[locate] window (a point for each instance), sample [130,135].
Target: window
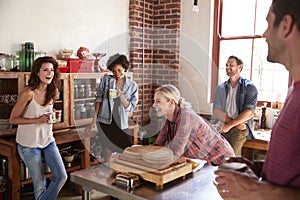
[239,26]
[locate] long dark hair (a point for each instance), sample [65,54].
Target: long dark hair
[34,79]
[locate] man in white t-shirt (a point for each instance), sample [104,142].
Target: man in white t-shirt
[234,105]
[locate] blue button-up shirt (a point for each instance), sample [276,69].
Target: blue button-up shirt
[130,92]
[246,98]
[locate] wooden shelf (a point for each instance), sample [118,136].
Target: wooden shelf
[49,175]
[7,104]
[72,135]
[85,99]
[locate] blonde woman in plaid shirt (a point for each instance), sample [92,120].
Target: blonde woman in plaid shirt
[185,132]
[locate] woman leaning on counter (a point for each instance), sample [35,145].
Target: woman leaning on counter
[34,138]
[185,132]
[111,110]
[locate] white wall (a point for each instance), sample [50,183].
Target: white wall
[195,54]
[100,25]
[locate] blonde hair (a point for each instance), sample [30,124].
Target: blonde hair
[170,92]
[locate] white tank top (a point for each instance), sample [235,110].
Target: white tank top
[35,135]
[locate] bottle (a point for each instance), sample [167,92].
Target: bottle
[22,58]
[29,56]
[255,123]
[263,119]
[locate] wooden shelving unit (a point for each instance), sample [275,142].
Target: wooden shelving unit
[68,130]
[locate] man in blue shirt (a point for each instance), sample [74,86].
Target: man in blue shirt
[234,105]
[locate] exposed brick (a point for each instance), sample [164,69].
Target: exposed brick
[161,53]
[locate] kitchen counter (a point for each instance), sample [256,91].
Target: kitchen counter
[198,185]
[262,134]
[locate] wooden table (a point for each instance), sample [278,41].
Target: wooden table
[261,142]
[198,185]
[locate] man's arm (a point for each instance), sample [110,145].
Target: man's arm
[230,123]
[221,115]
[238,185]
[241,118]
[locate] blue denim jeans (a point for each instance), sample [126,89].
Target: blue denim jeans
[32,157]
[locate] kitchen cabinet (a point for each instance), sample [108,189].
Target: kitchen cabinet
[11,85]
[82,95]
[70,129]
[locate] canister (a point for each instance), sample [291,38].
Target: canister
[88,91]
[255,123]
[2,61]
[81,91]
[76,92]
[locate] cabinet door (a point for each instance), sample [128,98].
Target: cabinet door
[11,85]
[62,101]
[82,97]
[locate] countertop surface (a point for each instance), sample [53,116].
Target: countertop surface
[197,185]
[262,134]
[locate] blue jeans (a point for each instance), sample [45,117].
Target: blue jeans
[32,157]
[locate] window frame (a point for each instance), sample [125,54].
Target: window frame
[217,38]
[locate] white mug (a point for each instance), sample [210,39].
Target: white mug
[52,117]
[113,93]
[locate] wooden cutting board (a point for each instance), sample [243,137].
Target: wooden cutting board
[141,162]
[158,178]
[148,168]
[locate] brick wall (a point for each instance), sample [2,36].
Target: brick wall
[158,49]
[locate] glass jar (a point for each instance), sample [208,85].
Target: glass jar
[9,62]
[83,113]
[76,92]
[88,91]
[2,61]
[90,109]
[81,91]
[17,61]
[38,54]
[77,112]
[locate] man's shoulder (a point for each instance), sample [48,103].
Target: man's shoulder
[246,82]
[223,84]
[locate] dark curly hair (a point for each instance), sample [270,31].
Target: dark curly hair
[117,59]
[34,79]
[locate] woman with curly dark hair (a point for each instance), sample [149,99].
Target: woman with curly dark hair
[112,108]
[35,140]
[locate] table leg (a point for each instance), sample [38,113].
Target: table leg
[86,195]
